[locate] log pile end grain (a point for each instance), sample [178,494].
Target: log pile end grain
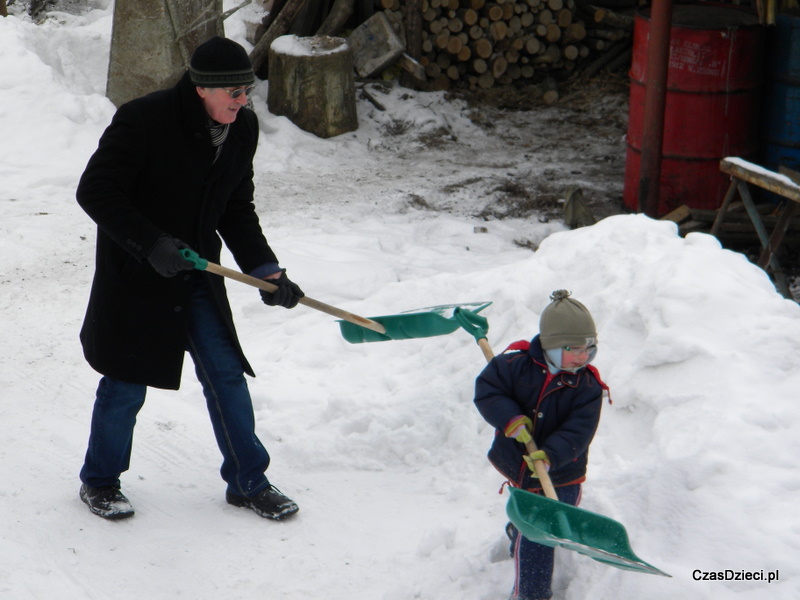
[478,44]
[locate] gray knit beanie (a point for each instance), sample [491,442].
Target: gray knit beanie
[220,62]
[566,322]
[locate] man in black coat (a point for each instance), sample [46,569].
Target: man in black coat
[174,170]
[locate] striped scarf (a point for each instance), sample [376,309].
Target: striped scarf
[219,133]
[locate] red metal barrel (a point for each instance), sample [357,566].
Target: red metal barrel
[714,81]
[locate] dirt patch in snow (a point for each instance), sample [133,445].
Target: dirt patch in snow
[526,156]
[530,157]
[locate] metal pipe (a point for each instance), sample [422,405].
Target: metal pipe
[654,103]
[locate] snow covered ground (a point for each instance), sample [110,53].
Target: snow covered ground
[379,443]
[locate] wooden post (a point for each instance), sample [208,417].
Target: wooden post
[743,172]
[412,19]
[152,41]
[654,103]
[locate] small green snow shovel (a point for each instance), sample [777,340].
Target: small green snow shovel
[547,521]
[413,324]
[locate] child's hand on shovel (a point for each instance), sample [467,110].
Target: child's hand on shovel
[519,428]
[538,455]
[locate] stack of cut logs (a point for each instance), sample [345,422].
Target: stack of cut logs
[482,43]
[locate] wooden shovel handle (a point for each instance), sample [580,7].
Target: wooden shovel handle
[486,349]
[305,300]
[539,465]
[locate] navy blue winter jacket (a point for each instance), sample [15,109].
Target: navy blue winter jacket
[564,409]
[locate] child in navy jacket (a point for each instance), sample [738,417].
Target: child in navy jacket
[546,390]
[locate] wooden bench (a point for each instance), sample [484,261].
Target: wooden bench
[785,184]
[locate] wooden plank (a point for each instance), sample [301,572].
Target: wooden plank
[337,17]
[732,215]
[742,173]
[757,175]
[411,66]
[753,213]
[755,217]
[679,215]
[776,239]
[784,220]
[729,195]
[375,45]
[691,226]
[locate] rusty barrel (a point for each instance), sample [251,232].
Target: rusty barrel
[714,81]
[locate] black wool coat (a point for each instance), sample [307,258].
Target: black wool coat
[152,174]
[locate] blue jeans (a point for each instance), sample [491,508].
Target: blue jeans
[534,562]
[220,372]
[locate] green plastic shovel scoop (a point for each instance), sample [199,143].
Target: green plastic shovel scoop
[553,523]
[545,520]
[411,324]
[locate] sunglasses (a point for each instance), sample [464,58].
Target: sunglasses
[235,93]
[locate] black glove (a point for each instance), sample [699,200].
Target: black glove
[287,295]
[165,256]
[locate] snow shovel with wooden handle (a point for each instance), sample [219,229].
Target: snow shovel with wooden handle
[545,520]
[412,324]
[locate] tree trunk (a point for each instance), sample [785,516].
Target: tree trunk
[312,83]
[152,42]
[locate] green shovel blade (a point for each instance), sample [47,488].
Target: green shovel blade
[553,523]
[412,324]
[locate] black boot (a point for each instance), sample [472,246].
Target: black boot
[107,501]
[269,503]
